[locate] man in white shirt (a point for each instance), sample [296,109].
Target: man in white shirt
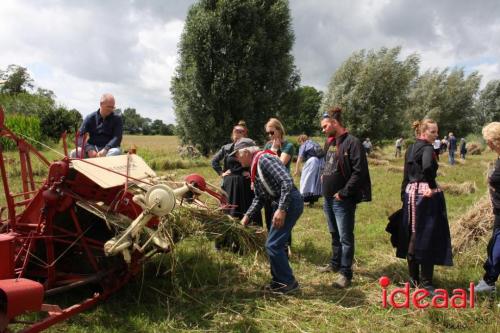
[399,147]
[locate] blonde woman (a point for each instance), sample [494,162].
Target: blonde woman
[424,237]
[277,142]
[491,134]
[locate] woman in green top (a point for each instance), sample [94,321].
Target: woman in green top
[285,150]
[277,142]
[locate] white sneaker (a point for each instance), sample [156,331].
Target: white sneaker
[483,287]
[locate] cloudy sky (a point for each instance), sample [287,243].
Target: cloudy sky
[80,49]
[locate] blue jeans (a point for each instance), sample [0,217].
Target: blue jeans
[492,264]
[340,218]
[451,156]
[277,239]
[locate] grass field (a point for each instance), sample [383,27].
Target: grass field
[220,291]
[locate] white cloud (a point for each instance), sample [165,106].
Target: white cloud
[81,49]
[161,59]
[489,72]
[88,49]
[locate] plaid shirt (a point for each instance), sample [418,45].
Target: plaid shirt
[277,178]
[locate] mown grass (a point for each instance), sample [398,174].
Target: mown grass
[207,290]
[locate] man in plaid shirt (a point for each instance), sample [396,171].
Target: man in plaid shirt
[272,180]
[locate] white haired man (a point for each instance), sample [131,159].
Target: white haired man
[272,181]
[105,130]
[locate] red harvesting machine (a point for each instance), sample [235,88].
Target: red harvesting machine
[89,222]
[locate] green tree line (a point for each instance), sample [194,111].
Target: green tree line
[134,123]
[382,94]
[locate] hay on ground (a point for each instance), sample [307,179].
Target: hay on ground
[377,155]
[187,221]
[474,148]
[473,225]
[458,189]
[188,152]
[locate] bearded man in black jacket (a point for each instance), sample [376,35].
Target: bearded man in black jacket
[346,182]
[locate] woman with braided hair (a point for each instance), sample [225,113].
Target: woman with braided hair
[424,237]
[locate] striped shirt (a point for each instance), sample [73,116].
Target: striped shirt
[277,178]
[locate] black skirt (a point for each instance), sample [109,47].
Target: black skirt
[427,218]
[240,197]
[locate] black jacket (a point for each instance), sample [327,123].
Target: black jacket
[353,166]
[494,184]
[420,165]
[230,162]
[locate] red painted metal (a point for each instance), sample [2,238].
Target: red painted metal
[57,315]
[22,295]
[7,251]
[54,245]
[200,183]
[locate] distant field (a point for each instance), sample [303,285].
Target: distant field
[216,291]
[167,144]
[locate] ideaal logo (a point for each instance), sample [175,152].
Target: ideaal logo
[459,300]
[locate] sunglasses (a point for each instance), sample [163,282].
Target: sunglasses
[238,131]
[325,115]
[270,133]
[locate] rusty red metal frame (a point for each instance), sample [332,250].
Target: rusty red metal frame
[40,243]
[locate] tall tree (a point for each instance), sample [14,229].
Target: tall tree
[16,79]
[170,129]
[54,122]
[132,121]
[235,63]
[156,126]
[160,128]
[487,107]
[447,97]
[146,126]
[371,87]
[301,110]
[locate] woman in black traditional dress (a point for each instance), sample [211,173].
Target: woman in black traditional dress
[235,179]
[425,237]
